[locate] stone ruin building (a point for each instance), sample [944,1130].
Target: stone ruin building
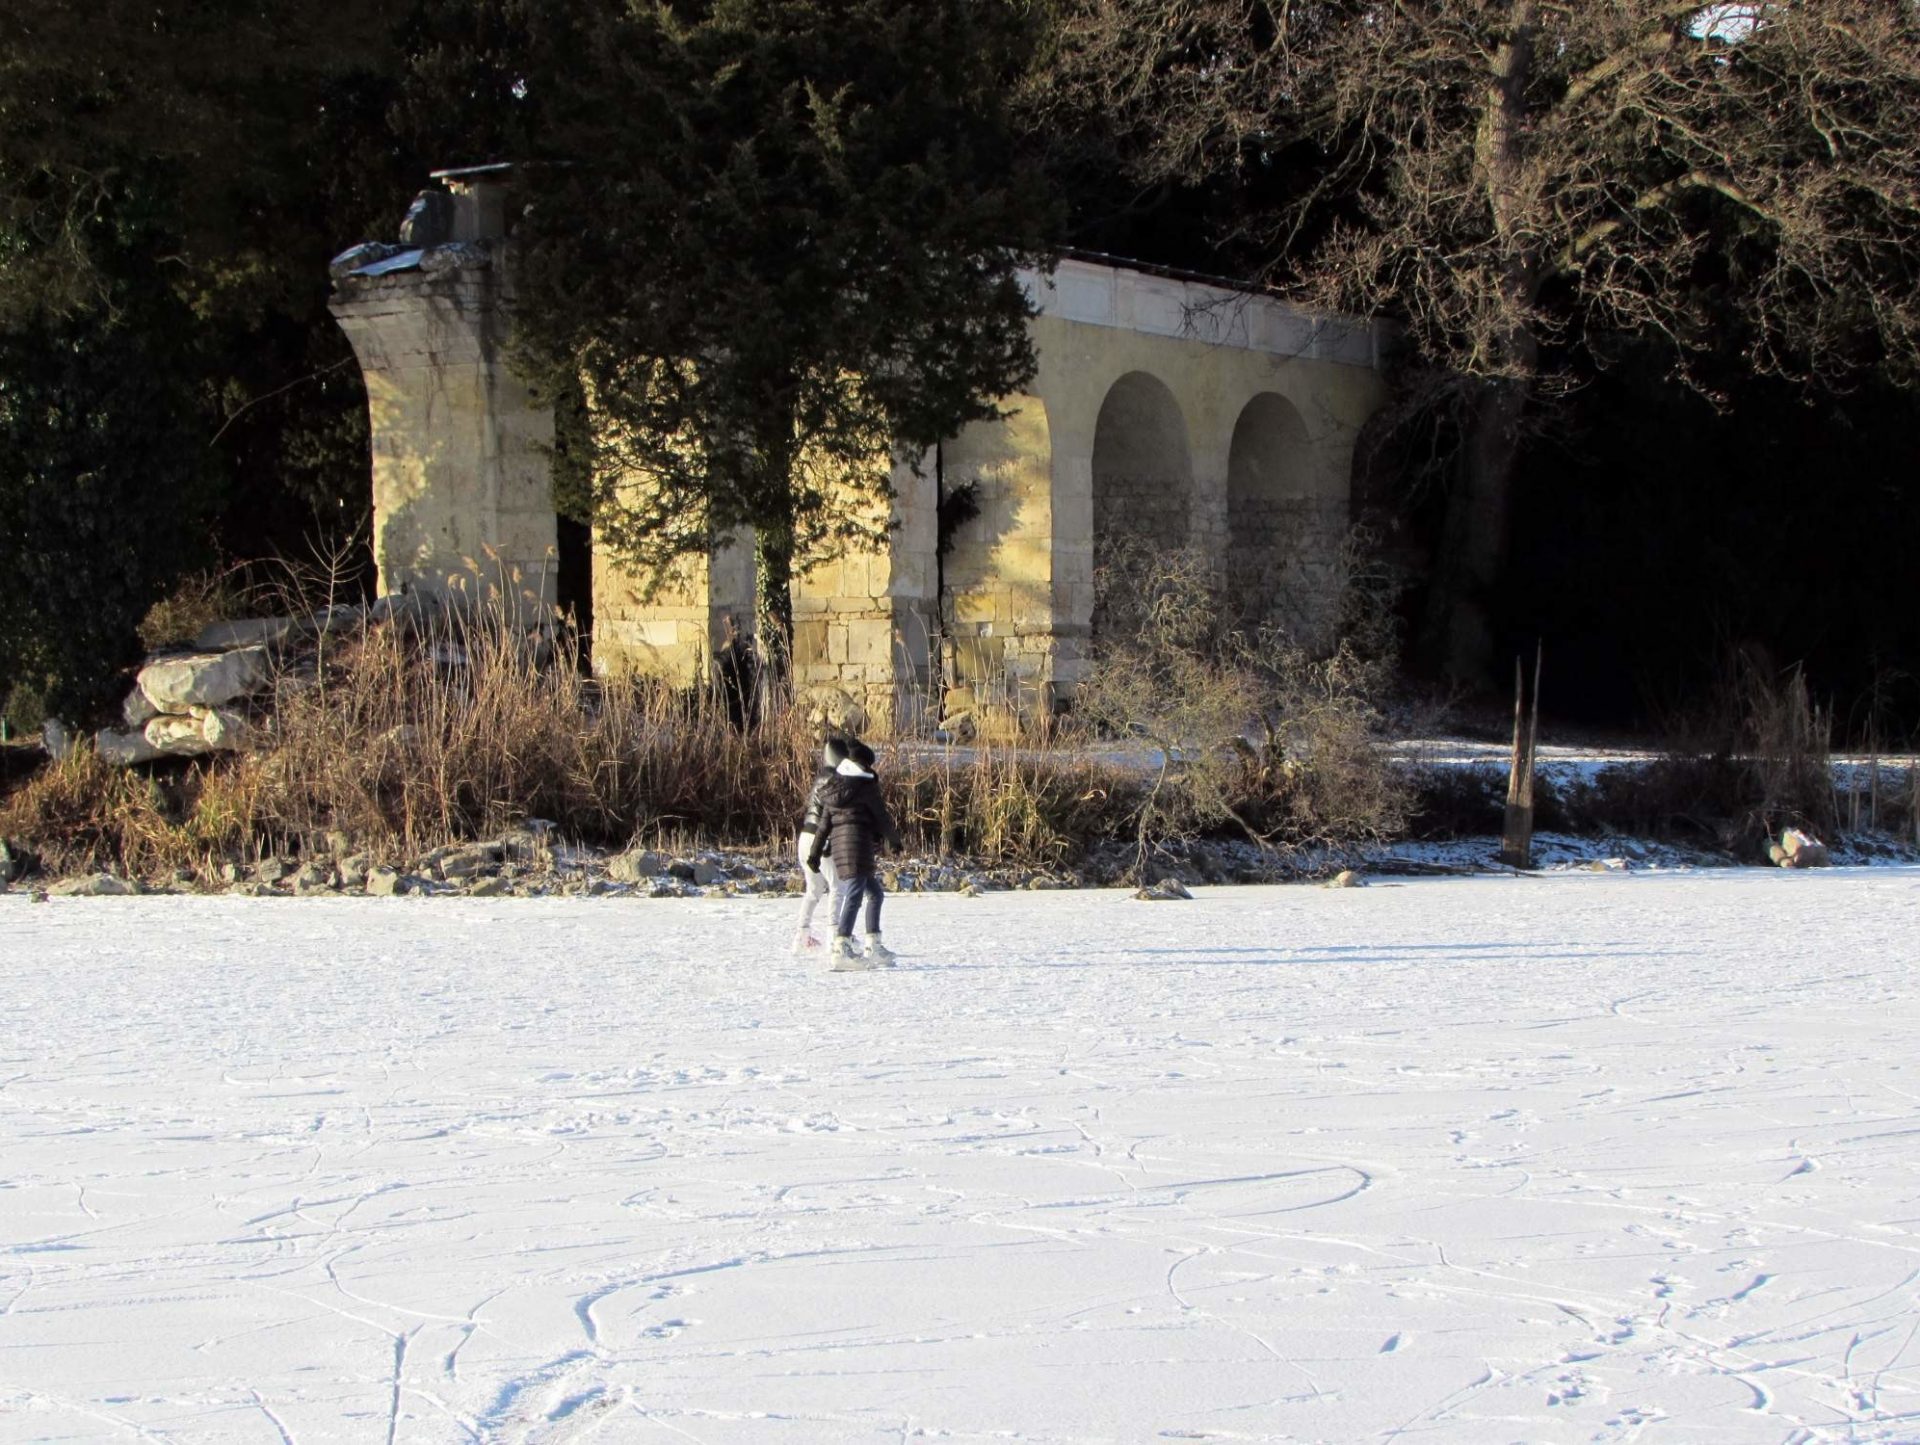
[1166,409]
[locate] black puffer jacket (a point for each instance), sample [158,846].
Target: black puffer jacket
[816,801]
[854,820]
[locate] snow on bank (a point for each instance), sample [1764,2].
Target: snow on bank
[1583,1157]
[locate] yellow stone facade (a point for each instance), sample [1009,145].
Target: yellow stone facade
[461,490]
[671,630]
[1171,409]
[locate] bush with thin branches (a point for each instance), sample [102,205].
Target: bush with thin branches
[1240,728]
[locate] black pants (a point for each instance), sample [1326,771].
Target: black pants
[847,893]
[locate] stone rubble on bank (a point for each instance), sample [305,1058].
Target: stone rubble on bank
[94,885]
[190,702]
[531,862]
[1167,890]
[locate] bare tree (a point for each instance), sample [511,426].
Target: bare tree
[1528,184]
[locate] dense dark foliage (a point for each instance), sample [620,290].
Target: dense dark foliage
[1527,186]
[773,242]
[172,179]
[104,495]
[1656,535]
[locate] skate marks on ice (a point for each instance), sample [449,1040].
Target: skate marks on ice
[1454,1161]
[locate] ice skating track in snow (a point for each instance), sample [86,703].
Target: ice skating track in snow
[1577,1158]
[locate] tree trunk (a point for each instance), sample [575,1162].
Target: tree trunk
[1458,627]
[773,582]
[773,545]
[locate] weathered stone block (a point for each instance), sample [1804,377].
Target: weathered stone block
[823,579]
[98,885]
[810,639]
[137,709]
[636,864]
[870,643]
[123,749]
[314,877]
[973,607]
[204,730]
[911,575]
[175,683]
[243,632]
[221,728]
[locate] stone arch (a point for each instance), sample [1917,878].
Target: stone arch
[1142,474]
[1269,494]
[1142,464]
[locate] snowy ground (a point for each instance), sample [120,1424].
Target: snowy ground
[1595,1156]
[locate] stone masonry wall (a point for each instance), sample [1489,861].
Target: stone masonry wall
[673,630]
[998,572]
[863,618]
[1232,428]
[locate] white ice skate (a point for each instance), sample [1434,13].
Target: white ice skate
[878,954]
[848,959]
[805,945]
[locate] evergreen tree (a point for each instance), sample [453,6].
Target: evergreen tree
[773,242]
[173,177]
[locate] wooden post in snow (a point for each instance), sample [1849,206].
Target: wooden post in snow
[1516,839]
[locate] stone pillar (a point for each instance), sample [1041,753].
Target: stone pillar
[1318,579]
[1071,477]
[462,485]
[999,573]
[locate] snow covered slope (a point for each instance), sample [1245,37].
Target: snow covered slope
[1586,1157]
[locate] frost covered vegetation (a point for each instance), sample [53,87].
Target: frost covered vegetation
[1757,758]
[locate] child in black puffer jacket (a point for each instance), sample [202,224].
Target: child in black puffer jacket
[853,819]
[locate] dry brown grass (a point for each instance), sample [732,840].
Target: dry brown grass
[1036,804]
[397,740]
[470,724]
[1755,757]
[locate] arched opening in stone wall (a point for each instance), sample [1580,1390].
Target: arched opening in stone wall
[1269,493]
[1142,487]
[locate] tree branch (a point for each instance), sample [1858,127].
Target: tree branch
[1578,248]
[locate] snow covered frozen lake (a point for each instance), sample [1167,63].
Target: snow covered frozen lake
[1588,1157]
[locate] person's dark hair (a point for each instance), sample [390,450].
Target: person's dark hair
[835,751]
[861,754]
